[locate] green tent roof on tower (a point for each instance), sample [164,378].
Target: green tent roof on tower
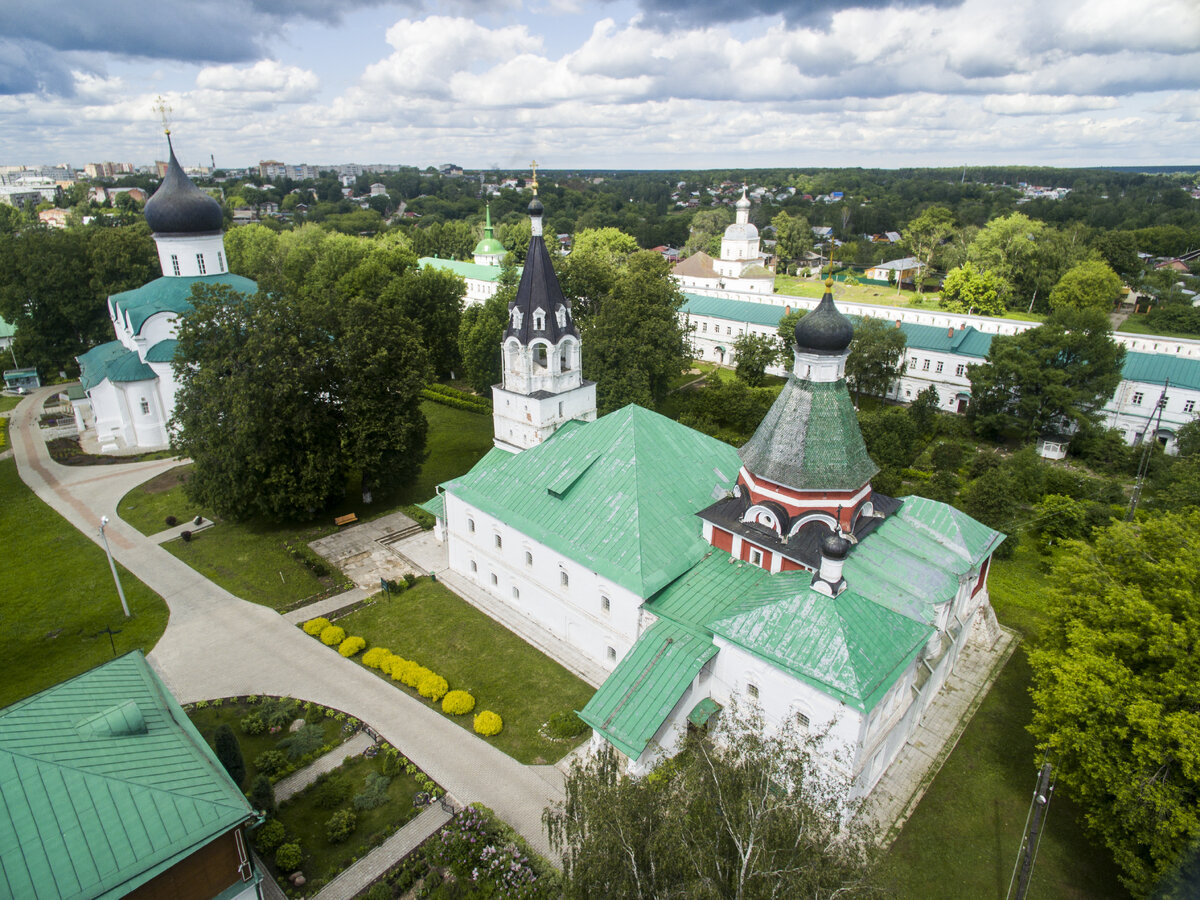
[489,246]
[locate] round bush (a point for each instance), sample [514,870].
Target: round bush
[566,725]
[289,856]
[270,761]
[172,521]
[334,634]
[458,703]
[407,672]
[253,724]
[340,826]
[374,658]
[351,645]
[432,686]
[316,626]
[488,723]
[269,836]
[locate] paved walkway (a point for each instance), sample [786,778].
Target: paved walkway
[356,878]
[326,606]
[217,645]
[298,781]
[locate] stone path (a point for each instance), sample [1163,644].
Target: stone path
[288,787]
[169,534]
[361,551]
[326,606]
[218,645]
[356,878]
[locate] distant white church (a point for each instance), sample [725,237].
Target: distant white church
[741,266]
[695,573]
[128,384]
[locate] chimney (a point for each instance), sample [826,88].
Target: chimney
[950,331]
[897,323]
[787,310]
[828,579]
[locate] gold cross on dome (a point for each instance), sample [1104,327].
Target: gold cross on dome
[163,110]
[533,165]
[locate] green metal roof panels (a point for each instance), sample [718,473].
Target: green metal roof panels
[734,310]
[169,295]
[128,367]
[709,588]
[162,352]
[810,440]
[489,246]
[435,506]
[618,495]
[848,646]
[960,341]
[93,365]
[703,711]
[464,269]
[969,540]
[1156,368]
[641,691]
[105,784]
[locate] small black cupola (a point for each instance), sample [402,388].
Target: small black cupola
[179,207]
[825,329]
[540,311]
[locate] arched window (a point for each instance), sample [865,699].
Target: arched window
[539,355]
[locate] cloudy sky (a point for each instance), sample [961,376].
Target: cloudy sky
[604,83]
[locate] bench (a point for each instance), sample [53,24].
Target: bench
[348,519]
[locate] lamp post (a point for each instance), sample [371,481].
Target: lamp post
[112,565]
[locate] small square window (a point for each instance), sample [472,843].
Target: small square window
[474,568]
[495,580]
[1138,396]
[605,604]
[564,578]
[499,542]
[912,362]
[528,558]
[756,556]
[516,593]
[612,653]
[939,367]
[752,690]
[471,525]
[704,326]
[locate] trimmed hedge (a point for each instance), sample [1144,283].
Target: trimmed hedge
[488,723]
[458,703]
[334,634]
[374,658]
[351,645]
[432,686]
[316,626]
[456,403]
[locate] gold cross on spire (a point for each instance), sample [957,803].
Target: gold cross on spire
[533,165]
[163,110]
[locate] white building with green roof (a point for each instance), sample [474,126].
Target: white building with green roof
[698,575]
[109,791]
[129,383]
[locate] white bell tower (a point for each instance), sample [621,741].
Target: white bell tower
[542,384]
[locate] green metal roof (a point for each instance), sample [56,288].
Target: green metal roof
[105,784]
[489,246]
[960,341]
[162,352]
[809,439]
[464,269]
[169,295]
[617,495]
[7,330]
[703,711]
[113,361]
[435,506]
[637,697]
[734,310]
[1155,368]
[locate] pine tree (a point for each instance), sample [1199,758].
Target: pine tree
[229,752]
[262,795]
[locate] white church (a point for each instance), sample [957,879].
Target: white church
[695,573]
[128,383]
[741,266]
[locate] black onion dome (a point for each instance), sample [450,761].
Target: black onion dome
[835,546]
[179,207]
[824,330]
[535,207]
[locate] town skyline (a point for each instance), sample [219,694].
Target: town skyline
[611,85]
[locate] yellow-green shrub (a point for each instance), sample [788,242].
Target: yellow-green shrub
[334,634]
[488,723]
[403,669]
[351,645]
[373,658]
[432,686]
[316,626]
[458,703]
[388,662]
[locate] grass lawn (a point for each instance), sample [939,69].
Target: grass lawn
[963,839]
[432,625]
[147,506]
[249,560]
[872,293]
[57,594]
[1136,324]
[305,820]
[9,403]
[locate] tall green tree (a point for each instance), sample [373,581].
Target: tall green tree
[1027,254]
[876,359]
[1052,376]
[479,337]
[967,290]
[229,753]
[707,226]
[754,352]
[743,816]
[793,236]
[432,300]
[1115,690]
[785,341]
[635,344]
[923,237]
[1090,284]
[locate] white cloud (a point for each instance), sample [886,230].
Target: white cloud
[287,84]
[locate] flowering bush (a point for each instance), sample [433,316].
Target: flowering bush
[316,626]
[488,723]
[386,664]
[333,634]
[475,849]
[351,645]
[408,672]
[458,703]
[373,658]
[432,687]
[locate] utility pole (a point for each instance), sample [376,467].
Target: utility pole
[113,566]
[1149,439]
[1038,807]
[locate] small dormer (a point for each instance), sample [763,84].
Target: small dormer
[539,319]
